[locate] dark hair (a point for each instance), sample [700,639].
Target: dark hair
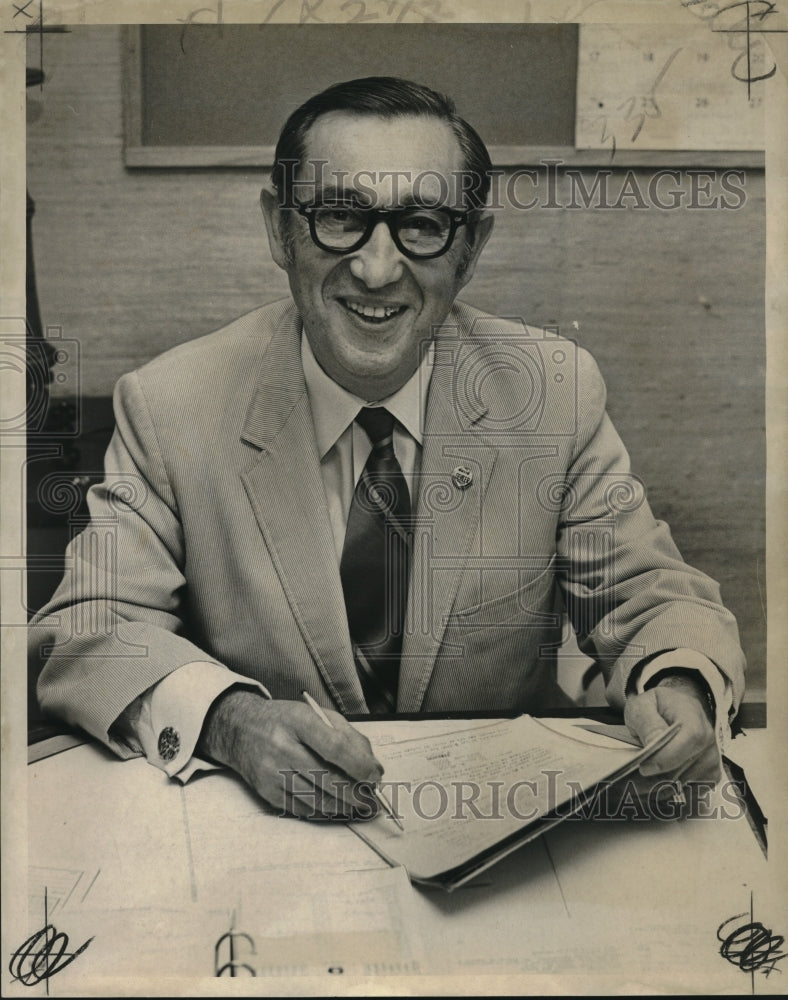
[385,97]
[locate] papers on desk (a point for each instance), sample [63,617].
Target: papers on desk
[469,797]
[199,880]
[163,882]
[299,923]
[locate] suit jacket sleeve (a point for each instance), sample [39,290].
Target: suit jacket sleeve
[628,591]
[115,625]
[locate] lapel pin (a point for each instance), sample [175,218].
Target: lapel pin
[462,477]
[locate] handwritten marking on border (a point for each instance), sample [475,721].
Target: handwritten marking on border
[43,954]
[750,945]
[745,34]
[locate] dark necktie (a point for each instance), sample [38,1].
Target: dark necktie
[374,564]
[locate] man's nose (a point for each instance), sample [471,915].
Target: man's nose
[378,262]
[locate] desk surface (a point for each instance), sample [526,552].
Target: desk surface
[154,874]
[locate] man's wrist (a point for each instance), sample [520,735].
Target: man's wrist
[220,728]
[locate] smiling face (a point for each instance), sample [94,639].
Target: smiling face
[366,313]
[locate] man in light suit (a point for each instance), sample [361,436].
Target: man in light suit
[228,566]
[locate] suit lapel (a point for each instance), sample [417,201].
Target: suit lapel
[447,516]
[285,488]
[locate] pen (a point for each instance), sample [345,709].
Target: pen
[383,801]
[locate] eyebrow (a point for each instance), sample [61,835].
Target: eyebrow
[332,194]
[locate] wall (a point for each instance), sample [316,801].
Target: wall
[670,303]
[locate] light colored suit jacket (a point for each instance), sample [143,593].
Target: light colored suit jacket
[210,537]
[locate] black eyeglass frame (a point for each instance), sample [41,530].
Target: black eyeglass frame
[457,218]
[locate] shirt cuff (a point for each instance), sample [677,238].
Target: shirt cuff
[172,713]
[720,687]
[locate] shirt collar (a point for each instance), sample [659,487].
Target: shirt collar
[334,409]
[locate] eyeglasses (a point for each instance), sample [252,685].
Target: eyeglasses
[419,233]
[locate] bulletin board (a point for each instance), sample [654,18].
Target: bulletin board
[216,96]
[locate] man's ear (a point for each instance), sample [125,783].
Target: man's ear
[482,230]
[273,223]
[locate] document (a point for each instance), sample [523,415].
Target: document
[468,797]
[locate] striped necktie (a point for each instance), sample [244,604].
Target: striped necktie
[375,563]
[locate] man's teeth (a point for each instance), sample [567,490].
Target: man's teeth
[372,312]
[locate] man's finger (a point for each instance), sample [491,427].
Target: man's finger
[340,744]
[641,714]
[305,795]
[681,750]
[312,777]
[366,766]
[650,713]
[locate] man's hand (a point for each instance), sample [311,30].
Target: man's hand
[290,757]
[692,754]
